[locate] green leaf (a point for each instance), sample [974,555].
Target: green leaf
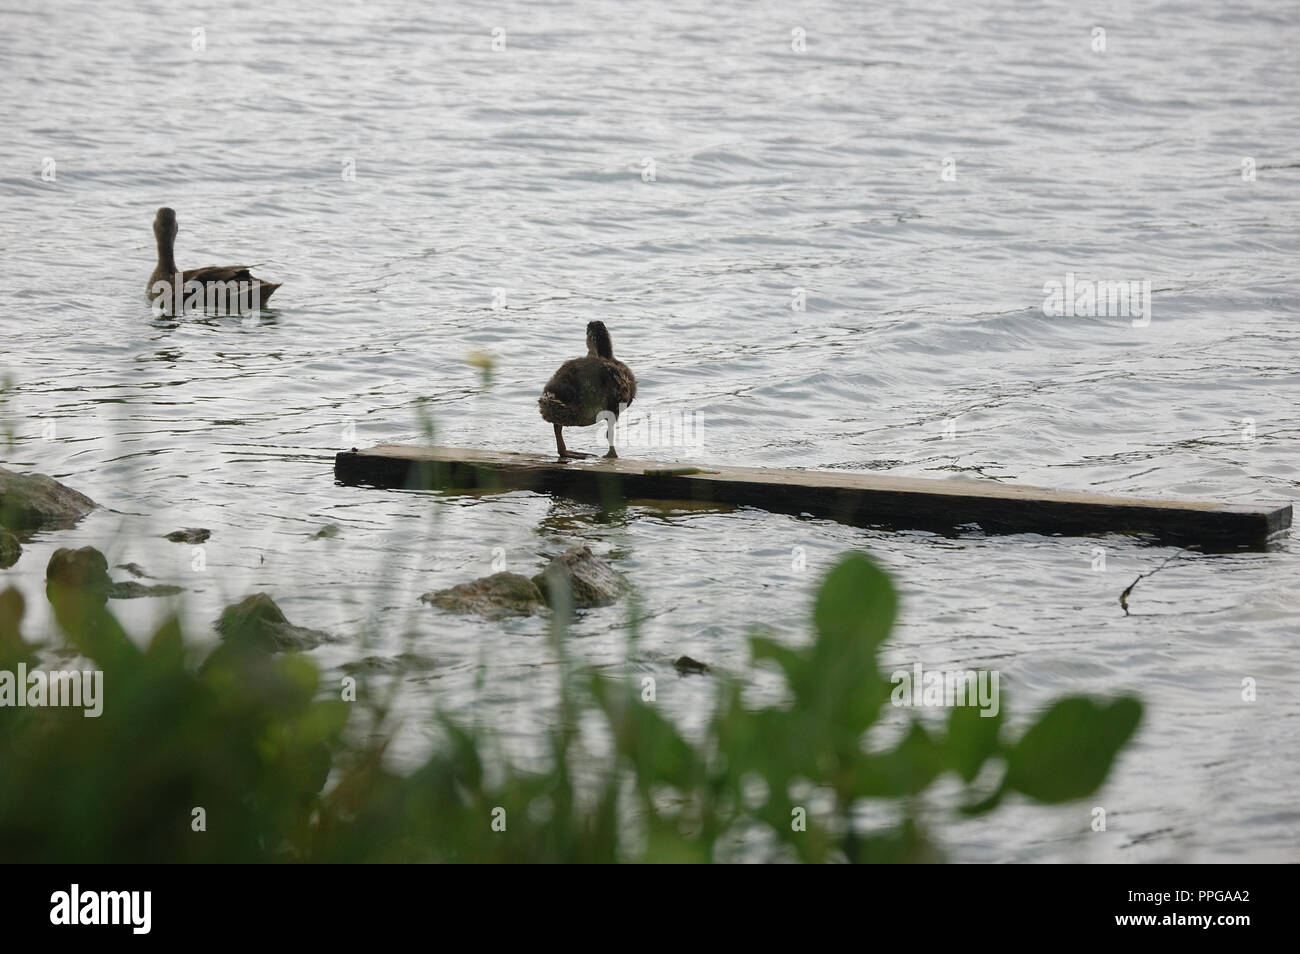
[1069,751]
[854,613]
[792,662]
[657,752]
[908,770]
[855,607]
[972,738]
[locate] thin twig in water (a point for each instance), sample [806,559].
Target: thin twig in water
[1123,597]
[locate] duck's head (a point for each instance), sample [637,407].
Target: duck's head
[164,225]
[598,340]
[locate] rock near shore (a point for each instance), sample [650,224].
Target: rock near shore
[589,580]
[257,621]
[131,590]
[83,572]
[189,535]
[10,549]
[498,596]
[30,502]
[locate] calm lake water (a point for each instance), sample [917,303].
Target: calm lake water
[679,170]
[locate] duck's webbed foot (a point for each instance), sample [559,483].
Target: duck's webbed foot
[564,451]
[611,452]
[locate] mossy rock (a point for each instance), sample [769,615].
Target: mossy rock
[498,596]
[386,665]
[83,571]
[687,666]
[257,622]
[10,549]
[189,535]
[35,502]
[590,580]
[130,590]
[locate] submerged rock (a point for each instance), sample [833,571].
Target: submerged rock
[257,621]
[326,532]
[591,581]
[686,666]
[189,535]
[10,549]
[36,502]
[83,571]
[388,664]
[130,590]
[496,597]
[133,568]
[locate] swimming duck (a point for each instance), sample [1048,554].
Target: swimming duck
[586,388]
[212,282]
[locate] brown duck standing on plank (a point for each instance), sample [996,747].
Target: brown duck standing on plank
[584,389]
[232,286]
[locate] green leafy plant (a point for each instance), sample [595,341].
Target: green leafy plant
[248,737]
[837,694]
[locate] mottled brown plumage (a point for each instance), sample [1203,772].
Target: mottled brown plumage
[246,292]
[586,388]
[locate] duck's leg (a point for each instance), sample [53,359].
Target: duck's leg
[609,433]
[564,451]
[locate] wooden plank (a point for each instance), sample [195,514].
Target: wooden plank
[858,499]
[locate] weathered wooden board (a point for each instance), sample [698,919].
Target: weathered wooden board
[859,499]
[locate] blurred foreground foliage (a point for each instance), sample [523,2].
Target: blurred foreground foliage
[254,740]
